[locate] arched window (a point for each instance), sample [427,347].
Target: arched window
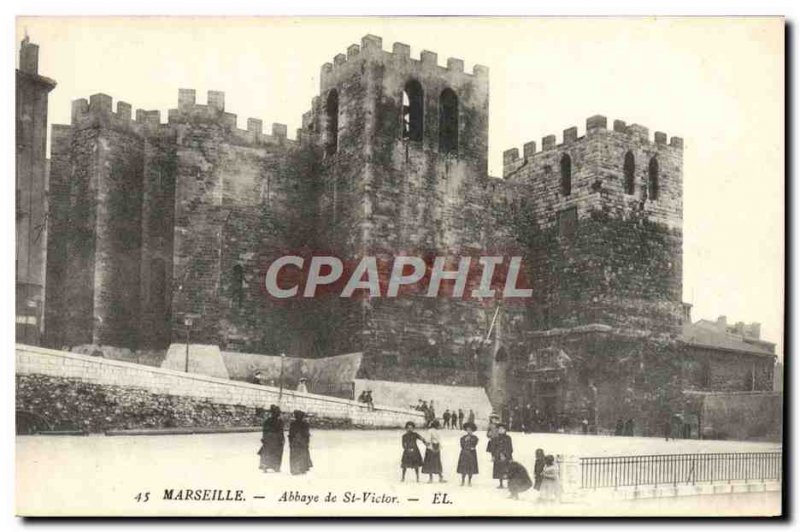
[332,122]
[629,169]
[566,175]
[652,181]
[448,121]
[412,111]
[237,285]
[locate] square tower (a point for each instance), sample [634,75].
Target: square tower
[404,159]
[605,231]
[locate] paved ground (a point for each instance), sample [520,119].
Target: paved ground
[104,474]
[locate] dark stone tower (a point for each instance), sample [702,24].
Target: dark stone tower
[604,230]
[31,193]
[404,172]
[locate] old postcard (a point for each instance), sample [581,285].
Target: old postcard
[399,266]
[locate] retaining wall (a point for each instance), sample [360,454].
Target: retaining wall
[116,375]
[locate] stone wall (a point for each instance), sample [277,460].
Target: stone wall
[741,416]
[169,387]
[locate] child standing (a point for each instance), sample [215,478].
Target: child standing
[518,479]
[433,455]
[412,459]
[538,467]
[468,459]
[551,487]
[502,450]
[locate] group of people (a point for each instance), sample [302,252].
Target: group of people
[272,443]
[624,429]
[365,397]
[501,449]
[451,419]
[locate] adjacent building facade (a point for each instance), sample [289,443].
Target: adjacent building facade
[32,90]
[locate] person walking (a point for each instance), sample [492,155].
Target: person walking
[299,439]
[471,418]
[411,459]
[432,465]
[468,457]
[446,418]
[460,419]
[502,450]
[272,440]
[538,467]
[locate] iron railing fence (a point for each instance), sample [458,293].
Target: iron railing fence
[662,469]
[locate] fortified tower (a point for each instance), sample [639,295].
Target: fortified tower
[603,227]
[404,145]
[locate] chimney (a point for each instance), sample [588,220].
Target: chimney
[29,56]
[722,323]
[687,313]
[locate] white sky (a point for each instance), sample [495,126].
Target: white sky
[718,83]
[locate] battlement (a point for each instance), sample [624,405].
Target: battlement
[596,124]
[371,48]
[98,111]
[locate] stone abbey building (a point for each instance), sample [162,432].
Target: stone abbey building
[151,222]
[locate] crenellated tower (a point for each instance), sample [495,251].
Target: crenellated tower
[604,227]
[404,169]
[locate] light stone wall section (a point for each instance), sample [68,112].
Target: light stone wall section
[101,371]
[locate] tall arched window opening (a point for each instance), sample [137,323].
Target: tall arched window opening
[448,121]
[566,175]
[413,111]
[652,182]
[332,122]
[629,169]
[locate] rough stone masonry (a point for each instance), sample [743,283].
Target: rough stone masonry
[152,221]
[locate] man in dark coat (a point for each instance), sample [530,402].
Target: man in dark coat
[446,418]
[272,439]
[460,419]
[299,437]
[502,450]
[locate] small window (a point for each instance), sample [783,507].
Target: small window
[566,175]
[413,111]
[332,122]
[448,121]
[237,285]
[629,169]
[652,182]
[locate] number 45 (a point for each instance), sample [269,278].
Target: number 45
[142,497]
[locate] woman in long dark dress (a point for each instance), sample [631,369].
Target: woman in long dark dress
[432,465]
[299,437]
[502,450]
[468,458]
[518,479]
[272,440]
[411,459]
[538,467]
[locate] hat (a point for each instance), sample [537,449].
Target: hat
[469,425]
[503,425]
[299,414]
[410,424]
[494,416]
[275,409]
